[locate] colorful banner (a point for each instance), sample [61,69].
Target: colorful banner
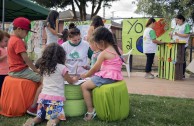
[132,34]
[34,40]
[83,26]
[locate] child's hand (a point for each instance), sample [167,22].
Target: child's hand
[176,34]
[161,43]
[83,76]
[37,71]
[86,67]
[75,79]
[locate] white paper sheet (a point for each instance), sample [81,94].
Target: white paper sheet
[79,81]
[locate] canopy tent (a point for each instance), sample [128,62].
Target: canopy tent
[25,8]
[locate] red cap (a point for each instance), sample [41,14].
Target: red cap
[23,23]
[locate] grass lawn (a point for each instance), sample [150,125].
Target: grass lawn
[144,111]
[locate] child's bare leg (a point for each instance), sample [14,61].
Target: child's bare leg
[53,122]
[36,95]
[33,108]
[32,121]
[87,94]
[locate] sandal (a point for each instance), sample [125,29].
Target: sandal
[29,122]
[93,114]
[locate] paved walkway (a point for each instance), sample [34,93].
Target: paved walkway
[137,84]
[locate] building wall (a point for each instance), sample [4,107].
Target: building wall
[118,33]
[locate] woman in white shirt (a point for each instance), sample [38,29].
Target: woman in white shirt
[150,46]
[182,33]
[52,27]
[77,52]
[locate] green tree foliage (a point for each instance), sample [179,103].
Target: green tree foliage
[166,8]
[81,4]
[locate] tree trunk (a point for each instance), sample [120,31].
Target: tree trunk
[84,13]
[80,9]
[93,7]
[81,13]
[98,8]
[83,9]
[73,9]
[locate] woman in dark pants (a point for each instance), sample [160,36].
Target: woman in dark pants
[150,46]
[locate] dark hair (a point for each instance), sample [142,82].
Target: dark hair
[51,18]
[151,20]
[73,32]
[115,38]
[72,25]
[97,21]
[1,35]
[64,35]
[181,17]
[52,55]
[102,34]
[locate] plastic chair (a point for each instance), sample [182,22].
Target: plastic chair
[126,56]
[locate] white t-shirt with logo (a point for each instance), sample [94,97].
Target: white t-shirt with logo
[182,29]
[76,56]
[148,46]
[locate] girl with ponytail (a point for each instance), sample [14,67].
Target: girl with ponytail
[106,70]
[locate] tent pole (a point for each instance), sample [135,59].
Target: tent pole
[3,14]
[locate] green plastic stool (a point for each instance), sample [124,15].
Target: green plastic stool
[74,108]
[111,101]
[73,92]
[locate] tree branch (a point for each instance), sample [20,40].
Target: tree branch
[73,9]
[98,8]
[93,7]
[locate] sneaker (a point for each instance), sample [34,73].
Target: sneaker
[152,74]
[32,110]
[149,76]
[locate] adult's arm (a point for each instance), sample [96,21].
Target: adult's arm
[96,66]
[54,31]
[153,37]
[186,32]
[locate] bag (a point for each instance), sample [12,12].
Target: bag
[190,67]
